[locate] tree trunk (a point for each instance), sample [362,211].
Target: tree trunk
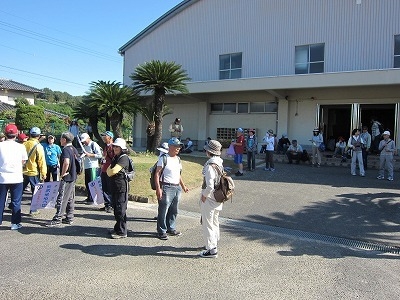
[115,122]
[94,122]
[159,98]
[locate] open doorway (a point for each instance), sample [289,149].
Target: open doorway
[384,113]
[336,120]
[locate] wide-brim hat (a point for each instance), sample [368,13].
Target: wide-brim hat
[270,131]
[120,143]
[214,147]
[316,130]
[163,148]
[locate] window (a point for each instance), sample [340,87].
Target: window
[244,107]
[396,63]
[230,66]
[309,59]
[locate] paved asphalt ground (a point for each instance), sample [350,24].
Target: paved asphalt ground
[296,233]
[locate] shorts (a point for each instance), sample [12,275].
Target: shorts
[238,158]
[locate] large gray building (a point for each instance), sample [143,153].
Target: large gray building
[287,65]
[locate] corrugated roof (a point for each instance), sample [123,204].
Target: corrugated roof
[165,17]
[16,86]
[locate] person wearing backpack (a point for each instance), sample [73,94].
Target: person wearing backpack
[65,202]
[108,155]
[169,186]
[209,207]
[92,153]
[119,186]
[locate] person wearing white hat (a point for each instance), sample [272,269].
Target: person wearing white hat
[387,148]
[209,207]
[92,154]
[163,148]
[316,141]
[108,154]
[119,186]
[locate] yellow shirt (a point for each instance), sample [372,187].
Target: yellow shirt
[36,162]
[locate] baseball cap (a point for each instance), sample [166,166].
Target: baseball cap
[120,143]
[22,136]
[109,133]
[386,132]
[174,142]
[35,131]
[163,147]
[11,129]
[240,129]
[84,137]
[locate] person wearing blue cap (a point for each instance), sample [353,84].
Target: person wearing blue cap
[108,155]
[169,186]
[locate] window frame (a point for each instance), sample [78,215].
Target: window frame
[396,55]
[226,107]
[309,63]
[230,70]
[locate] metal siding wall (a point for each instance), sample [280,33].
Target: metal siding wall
[356,37]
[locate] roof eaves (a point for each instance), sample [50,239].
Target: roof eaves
[164,18]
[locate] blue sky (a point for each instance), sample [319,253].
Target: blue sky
[64,45]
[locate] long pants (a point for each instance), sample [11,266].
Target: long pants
[386,162]
[365,158]
[251,160]
[65,202]
[120,205]
[209,222]
[292,157]
[90,175]
[105,185]
[52,171]
[269,159]
[316,152]
[32,181]
[16,197]
[168,208]
[357,155]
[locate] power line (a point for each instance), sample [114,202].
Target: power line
[63,80]
[53,41]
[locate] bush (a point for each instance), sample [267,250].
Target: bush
[29,116]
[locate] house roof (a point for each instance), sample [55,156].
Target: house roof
[164,18]
[16,86]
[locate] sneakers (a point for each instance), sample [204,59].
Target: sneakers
[16,226]
[272,170]
[67,221]
[353,174]
[238,173]
[54,223]
[163,236]
[103,208]
[118,236]
[390,178]
[34,213]
[109,210]
[266,169]
[208,254]
[380,177]
[174,233]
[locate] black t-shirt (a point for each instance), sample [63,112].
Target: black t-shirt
[69,152]
[118,182]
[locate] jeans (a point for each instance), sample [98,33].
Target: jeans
[32,180]
[16,197]
[168,208]
[53,172]
[357,155]
[251,160]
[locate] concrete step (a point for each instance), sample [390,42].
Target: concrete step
[329,160]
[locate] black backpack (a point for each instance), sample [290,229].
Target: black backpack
[153,172]
[130,174]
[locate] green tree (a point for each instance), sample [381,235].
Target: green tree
[159,78]
[113,100]
[29,116]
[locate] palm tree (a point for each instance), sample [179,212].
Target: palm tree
[159,78]
[85,110]
[113,100]
[147,112]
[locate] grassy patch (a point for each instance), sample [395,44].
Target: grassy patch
[140,186]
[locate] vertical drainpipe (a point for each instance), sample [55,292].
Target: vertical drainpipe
[277,115]
[317,116]
[396,124]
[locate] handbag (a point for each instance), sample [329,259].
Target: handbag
[322,147]
[231,150]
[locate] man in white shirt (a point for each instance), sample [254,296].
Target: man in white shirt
[169,186]
[92,154]
[12,156]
